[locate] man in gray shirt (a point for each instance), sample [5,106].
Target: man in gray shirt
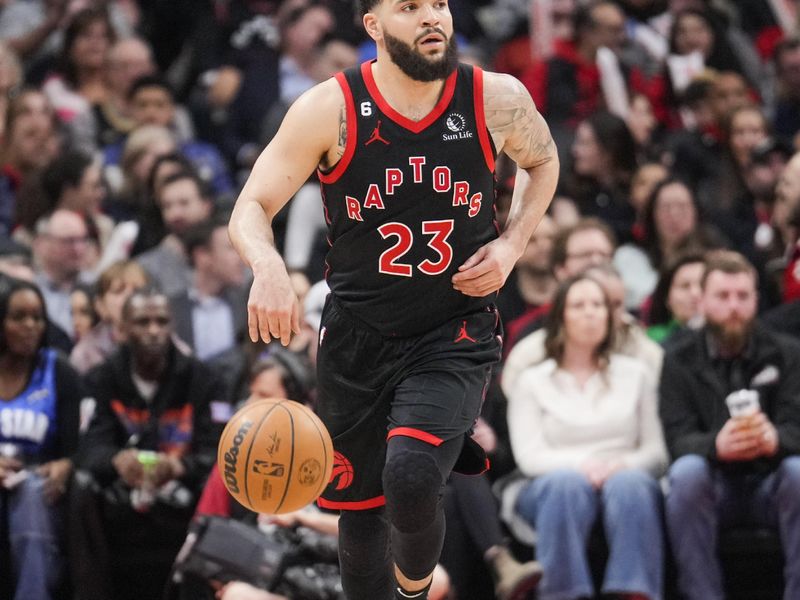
[59,251]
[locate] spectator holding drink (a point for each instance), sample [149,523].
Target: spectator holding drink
[732,425]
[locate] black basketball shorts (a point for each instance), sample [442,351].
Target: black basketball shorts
[370,388]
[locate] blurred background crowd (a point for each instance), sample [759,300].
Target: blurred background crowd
[664,280]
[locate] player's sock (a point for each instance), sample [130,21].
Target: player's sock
[401,594]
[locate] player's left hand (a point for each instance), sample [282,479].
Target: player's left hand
[484,434]
[486,271]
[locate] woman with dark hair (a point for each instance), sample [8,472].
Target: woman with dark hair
[586,436]
[725,196]
[79,82]
[673,225]
[73,181]
[40,399]
[675,302]
[630,259]
[696,30]
[603,162]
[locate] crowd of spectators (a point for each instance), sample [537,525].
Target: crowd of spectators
[649,393]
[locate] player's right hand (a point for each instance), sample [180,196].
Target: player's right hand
[273,310]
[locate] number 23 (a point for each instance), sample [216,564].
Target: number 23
[439,230]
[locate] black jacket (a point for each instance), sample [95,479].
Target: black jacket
[182,306]
[177,421]
[693,393]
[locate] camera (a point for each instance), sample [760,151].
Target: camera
[298,563]
[312,582]
[222,549]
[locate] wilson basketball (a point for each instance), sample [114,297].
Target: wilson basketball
[275,456]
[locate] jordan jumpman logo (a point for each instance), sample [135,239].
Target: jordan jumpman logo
[463,335]
[376,135]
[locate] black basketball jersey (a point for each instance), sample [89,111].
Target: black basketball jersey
[408,203]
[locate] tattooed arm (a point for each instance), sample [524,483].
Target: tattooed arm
[341,144]
[519,130]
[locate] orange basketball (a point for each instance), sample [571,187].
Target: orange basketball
[275,456]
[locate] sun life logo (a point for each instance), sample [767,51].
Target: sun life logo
[455,122]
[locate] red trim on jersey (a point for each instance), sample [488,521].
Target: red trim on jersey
[418,434]
[480,118]
[325,207]
[359,505]
[352,134]
[413,126]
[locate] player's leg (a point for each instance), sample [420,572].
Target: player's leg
[413,483]
[364,555]
[354,367]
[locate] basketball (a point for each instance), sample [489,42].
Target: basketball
[275,456]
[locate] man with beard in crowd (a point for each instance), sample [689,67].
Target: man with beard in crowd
[732,424]
[406,148]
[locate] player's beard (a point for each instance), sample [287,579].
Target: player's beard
[731,339]
[415,65]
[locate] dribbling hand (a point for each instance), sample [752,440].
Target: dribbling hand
[273,310]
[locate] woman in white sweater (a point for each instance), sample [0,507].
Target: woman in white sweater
[585,432]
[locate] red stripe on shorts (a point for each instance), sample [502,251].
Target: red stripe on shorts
[418,434]
[358,505]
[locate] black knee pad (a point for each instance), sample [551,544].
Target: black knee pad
[412,484]
[363,541]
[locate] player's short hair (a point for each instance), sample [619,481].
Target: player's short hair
[729,262]
[365,6]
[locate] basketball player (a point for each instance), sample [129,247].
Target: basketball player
[405,146]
